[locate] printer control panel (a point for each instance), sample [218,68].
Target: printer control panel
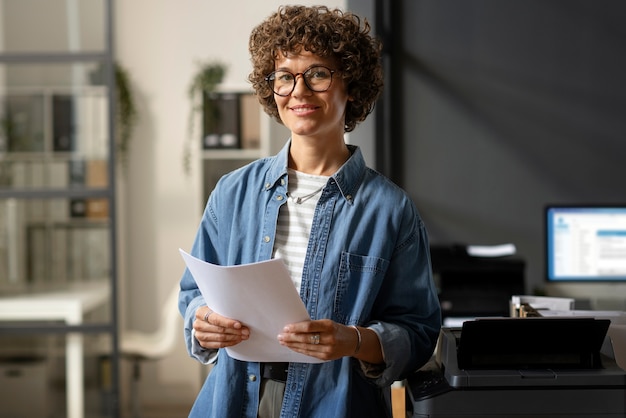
[428,381]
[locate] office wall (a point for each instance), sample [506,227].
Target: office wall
[504,107]
[159,43]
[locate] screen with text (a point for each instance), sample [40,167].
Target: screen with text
[586,243]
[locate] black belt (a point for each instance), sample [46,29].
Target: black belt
[275,371]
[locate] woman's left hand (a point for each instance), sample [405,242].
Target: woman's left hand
[323,339]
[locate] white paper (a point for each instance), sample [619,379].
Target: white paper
[261,296]
[491,250]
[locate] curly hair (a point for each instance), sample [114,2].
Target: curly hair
[328,33]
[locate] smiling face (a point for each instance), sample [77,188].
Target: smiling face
[309,114]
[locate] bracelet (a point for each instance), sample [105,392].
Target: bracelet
[358,342]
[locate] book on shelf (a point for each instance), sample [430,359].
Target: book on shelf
[220,126]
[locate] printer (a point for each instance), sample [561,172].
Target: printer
[521,367]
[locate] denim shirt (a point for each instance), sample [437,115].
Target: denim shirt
[367,264]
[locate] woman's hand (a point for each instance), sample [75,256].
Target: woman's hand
[215,331]
[328,340]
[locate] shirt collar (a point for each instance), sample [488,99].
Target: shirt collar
[348,177]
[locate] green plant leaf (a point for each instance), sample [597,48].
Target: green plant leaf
[203,83]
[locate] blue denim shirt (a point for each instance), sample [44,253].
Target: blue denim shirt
[367,264]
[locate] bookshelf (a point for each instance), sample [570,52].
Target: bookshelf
[55,140]
[242,134]
[58,286]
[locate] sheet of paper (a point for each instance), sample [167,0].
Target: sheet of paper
[261,296]
[491,250]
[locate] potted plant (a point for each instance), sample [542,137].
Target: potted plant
[203,83]
[126,110]
[126,113]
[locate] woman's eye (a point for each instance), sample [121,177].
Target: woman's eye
[319,74]
[285,77]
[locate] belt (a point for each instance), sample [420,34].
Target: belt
[275,371]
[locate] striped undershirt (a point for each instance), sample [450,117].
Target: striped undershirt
[295,219]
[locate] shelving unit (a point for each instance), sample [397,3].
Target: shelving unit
[256,136]
[57,206]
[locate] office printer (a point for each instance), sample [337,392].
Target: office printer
[521,367]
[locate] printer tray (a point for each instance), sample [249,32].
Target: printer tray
[531,343]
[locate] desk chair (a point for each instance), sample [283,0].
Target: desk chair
[141,346]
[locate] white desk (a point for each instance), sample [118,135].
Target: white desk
[69,306]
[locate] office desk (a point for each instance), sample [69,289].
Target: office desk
[68,306]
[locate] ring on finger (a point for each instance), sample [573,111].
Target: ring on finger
[207,314]
[315,339]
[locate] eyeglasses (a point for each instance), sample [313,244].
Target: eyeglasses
[317,79]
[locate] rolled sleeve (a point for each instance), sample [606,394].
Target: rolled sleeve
[203,355]
[395,344]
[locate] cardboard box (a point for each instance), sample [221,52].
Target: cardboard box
[97,177]
[24,391]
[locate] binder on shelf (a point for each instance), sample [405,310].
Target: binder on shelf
[63,137]
[77,176]
[77,172]
[221,117]
[78,208]
[90,174]
[23,122]
[96,176]
[250,109]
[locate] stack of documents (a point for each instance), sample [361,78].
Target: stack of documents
[260,295]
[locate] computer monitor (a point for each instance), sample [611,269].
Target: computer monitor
[585,243]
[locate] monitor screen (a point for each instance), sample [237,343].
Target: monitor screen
[586,243]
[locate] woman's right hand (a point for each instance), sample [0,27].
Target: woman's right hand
[215,331]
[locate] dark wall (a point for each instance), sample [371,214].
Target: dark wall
[504,107]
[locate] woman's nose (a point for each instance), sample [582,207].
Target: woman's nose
[300,88]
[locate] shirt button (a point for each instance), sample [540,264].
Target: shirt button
[349,197]
[267,185]
[282,182]
[266,238]
[279,197]
[252,378]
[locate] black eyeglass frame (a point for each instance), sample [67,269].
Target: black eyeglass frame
[270,80]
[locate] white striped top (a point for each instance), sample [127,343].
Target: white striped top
[295,219]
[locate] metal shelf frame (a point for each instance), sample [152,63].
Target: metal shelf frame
[110,327]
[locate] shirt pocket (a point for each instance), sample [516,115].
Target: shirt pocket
[359,280]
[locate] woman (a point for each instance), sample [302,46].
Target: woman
[353,242]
